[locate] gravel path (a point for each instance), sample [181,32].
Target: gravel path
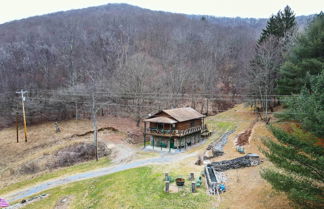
[164,158]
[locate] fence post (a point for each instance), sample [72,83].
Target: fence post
[193,187]
[167,185]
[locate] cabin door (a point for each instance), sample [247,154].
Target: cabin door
[171,143]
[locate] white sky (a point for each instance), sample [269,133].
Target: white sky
[18,9]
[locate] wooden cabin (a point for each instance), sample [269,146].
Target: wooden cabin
[174,128]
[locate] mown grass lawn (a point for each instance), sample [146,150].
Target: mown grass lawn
[81,167]
[135,188]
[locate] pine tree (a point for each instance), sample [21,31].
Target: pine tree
[300,169]
[279,25]
[307,57]
[298,159]
[308,107]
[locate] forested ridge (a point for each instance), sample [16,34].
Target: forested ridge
[130,59]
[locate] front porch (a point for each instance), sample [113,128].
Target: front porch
[159,149]
[169,143]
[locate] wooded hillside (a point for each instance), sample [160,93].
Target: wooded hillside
[130,58]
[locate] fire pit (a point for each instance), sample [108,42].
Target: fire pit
[180,182]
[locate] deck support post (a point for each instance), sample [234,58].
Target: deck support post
[144,134]
[179,142]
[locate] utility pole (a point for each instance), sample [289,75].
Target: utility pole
[23,98]
[17,127]
[207,107]
[94,121]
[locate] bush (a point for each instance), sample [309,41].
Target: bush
[79,152]
[30,168]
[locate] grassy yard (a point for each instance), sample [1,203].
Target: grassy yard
[135,188]
[143,187]
[81,167]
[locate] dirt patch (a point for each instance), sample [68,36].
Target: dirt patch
[91,132]
[244,138]
[64,202]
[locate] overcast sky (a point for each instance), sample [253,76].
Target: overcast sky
[18,9]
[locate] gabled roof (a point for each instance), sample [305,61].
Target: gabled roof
[161,120]
[180,114]
[183,114]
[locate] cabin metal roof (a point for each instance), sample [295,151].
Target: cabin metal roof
[161,120]
[180,114]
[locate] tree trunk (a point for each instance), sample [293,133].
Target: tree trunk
[94,124]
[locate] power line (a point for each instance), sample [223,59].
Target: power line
[81,93]
[88,104]
[164,98]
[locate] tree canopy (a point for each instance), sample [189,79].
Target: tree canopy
[306,58]
[299,160]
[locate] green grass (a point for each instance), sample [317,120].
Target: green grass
[219,126]
[134,188]
[81,167]
[214,123]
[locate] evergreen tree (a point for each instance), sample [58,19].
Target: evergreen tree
[298,159]
[307,57]
[308,107]
[280,25]
[300,169]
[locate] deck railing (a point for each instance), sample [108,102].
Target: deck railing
[166,132]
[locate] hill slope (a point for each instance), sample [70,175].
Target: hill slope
[245,187]
[125,49]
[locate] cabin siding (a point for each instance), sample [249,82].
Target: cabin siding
[155,125]
[188,124]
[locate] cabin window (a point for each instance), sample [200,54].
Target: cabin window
[192,123]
